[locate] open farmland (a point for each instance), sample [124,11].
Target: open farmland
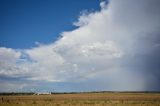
[83,99]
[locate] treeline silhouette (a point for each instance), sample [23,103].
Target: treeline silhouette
[34,93]
[17,93]
[106,92]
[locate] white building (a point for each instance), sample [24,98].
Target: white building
[43,93]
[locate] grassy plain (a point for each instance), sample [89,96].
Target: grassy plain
[83,99]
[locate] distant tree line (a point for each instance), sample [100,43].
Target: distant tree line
[17,93]
[34,93]
[106,92]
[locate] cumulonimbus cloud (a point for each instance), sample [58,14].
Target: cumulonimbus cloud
[110,46]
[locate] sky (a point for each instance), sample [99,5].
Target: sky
[74,46]
[24,22]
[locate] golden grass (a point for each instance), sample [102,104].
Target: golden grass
[83,99]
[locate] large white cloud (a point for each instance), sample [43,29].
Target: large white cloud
[8,58]
[105,47]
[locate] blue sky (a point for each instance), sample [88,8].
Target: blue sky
[24,22]
[79,45]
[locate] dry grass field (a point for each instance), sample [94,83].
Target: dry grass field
[83,99]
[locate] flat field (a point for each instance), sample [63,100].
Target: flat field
[83,99]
